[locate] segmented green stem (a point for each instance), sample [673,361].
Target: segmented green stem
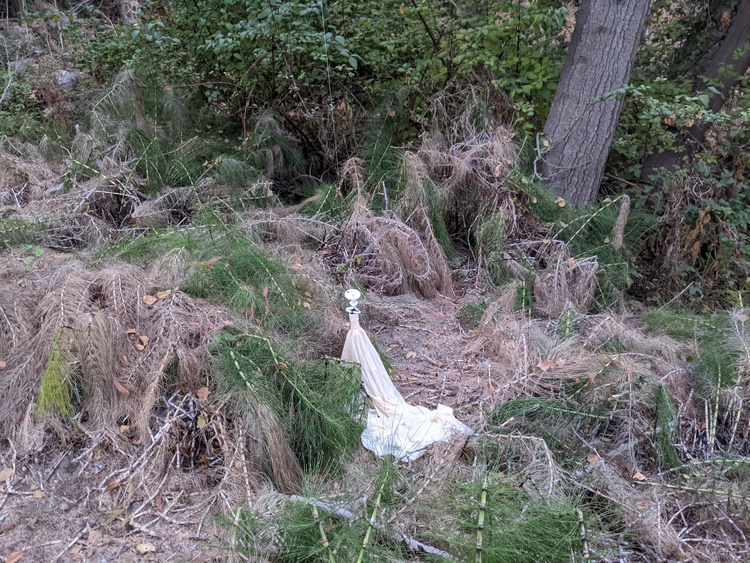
[371,523]
[480,518]
[715,413]
[585,552]
[321,531]
[737,416]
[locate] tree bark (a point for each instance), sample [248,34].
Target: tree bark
[726,67]
[581,125]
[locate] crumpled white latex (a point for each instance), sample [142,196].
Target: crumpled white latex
[393,425]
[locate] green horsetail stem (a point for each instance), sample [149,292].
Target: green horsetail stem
[585,552]
[321,531]
[371,523]
[480,518]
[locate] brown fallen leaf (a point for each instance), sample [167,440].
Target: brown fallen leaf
[124,428]
[149,299]
[638,476]
[559,362]
[2,365]
[641,505]
[203,393]
[164,294]
[112,486]
[544,365]
[6,474]
[121,388]
[593,458]
[144,548]
[14,557]
[38,494]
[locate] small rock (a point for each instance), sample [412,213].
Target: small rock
[68,79]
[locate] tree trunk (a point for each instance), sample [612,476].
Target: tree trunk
[581,125]
[726,67]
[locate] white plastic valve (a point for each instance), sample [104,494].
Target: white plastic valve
[352,295]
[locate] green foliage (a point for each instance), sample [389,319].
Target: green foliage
[656,115]
[471,313]
[104,49]
[315,400]
[517,42]
[594,234]
[16,232]
[718,367]
[238,273]
[516,525]
[488,231]
[22,102]
[555,420]
[54,396]
[666,429]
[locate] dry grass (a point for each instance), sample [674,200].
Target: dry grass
[124,337]
[386,254]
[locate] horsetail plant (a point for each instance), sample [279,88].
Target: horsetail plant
[480,518]
[321,531]
[585,552]
[371,522]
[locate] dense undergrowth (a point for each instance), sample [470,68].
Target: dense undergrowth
[177,240]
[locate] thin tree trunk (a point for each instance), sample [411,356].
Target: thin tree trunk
[726,67]
[581,125]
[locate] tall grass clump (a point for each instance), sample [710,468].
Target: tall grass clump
[559,421]
[667,429]
[489,231]
[316,401]
[719,358]
[236,272]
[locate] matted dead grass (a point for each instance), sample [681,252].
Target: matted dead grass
[121,337]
